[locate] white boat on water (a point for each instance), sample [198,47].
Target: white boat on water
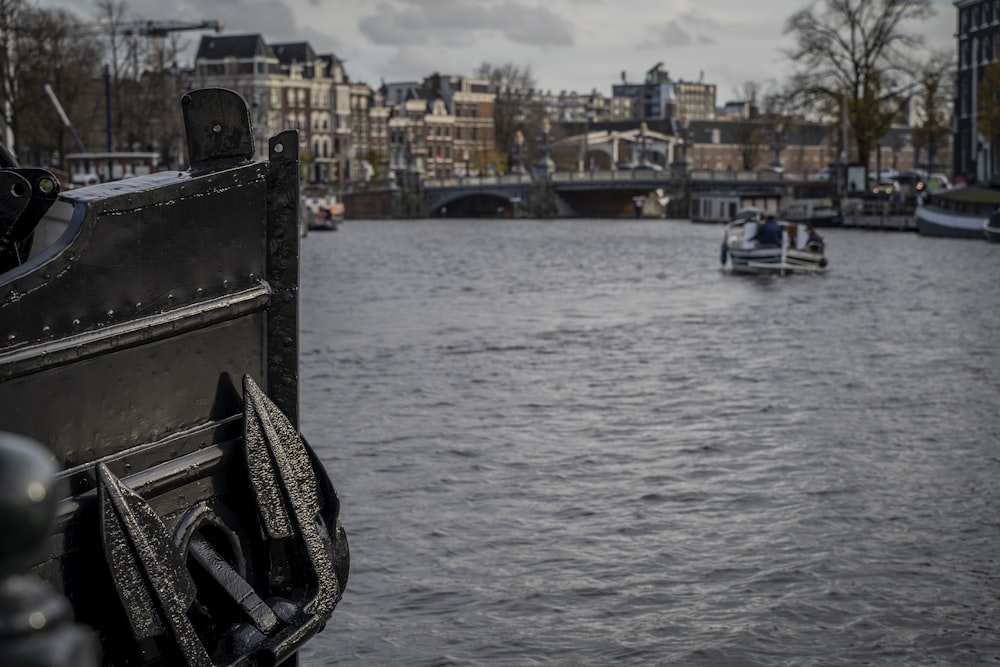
[956,213]
[801,250]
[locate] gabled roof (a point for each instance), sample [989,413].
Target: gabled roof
[330,58]
[216,47]
[294,52]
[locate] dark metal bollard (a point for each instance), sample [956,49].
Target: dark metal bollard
[36,623]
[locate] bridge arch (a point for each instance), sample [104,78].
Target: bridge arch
[475,200]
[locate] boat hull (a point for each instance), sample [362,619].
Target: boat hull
[800,251]
[933,221]
[991,231]
[770,261]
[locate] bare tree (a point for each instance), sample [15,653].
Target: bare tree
[857,49]
[127,54]
[933,96]
[46,47]
[749,135]
[10,13]
[513,86]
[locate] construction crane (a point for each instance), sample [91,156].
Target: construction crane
[158,30]
[155,30]
[162,28]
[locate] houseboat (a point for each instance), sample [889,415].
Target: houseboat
[957,212]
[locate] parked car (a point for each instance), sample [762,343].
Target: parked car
[938,180]
[886,188]
[912,182]
[884,175]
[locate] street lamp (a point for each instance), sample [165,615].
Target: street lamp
[465,156]
[778,145]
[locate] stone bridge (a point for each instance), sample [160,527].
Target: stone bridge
[600,193]
[596,193]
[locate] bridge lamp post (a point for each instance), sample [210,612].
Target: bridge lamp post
[681,163]
[517,152]
[545,164]
[465,156]
[587,111]
[642,142]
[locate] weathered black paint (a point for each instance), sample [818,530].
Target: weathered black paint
[153,350]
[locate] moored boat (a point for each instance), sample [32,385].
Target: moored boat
[799,250]
[323,212]
[956,213]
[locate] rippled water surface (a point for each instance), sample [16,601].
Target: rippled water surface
[580,442]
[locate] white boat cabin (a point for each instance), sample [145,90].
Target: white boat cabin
[724,206]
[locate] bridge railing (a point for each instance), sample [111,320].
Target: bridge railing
[638,175]
[477,181]
[641,175]
[760,175]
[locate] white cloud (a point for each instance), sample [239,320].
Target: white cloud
[569,44]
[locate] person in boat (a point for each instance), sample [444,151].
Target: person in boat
[814,242]
[769,232]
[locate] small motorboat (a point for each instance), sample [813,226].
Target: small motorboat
[800,250]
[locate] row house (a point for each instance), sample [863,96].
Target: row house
[570,107]
[369,132]
[307,108]
[288,86]
[407,148]
[441,127]
[340,114]
[659,97]
[247,65]
[472,105]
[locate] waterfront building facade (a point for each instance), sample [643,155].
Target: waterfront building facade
[247,65]
[471,103]
[978,38]
[287,86]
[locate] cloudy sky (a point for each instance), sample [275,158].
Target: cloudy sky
[572,45]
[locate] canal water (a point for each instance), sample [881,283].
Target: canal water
[580,442]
